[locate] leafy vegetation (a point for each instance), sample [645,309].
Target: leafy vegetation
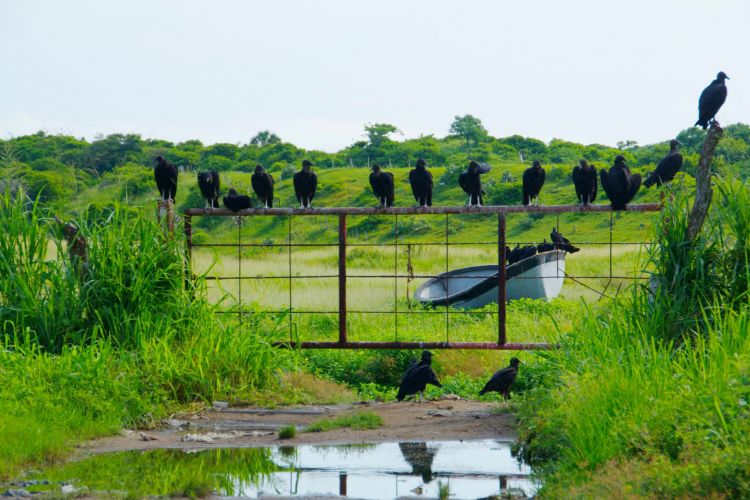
[287,432]
[359,421]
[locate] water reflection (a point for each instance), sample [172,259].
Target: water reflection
[472,469]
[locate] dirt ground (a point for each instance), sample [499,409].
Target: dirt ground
[446,419]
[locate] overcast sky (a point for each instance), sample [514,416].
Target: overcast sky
[315,72]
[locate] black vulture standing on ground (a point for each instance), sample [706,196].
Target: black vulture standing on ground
[619,184]
[417,377]
[236,202]
[420,457]
[305,184]
[584,179]
[533,180]
[667,167]
[561,242]
[165,175]
[421,184]
[382,186]
[471,182]
[262,183]
[502,380]
[711,100]
[520,253]
[208,182]
[544,247]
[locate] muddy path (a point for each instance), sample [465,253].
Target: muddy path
[447,419]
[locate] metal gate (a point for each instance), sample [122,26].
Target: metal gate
[342,310]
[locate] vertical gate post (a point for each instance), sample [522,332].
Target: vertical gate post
[342,278]
[189,236]
[501,296]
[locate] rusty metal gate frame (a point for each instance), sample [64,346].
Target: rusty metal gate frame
[343,343]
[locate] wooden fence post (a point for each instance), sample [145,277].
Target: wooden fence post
[703,191]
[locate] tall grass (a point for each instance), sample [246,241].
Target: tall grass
[651,396]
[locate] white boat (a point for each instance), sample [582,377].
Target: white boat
[537,277]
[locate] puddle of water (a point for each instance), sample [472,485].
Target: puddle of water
[471,469]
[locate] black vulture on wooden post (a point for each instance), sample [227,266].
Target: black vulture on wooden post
[305,184]
[533,180]
[711,100]
[165,175]
[421,184]
[417,377]
[208,182]
[502,380]
[584,179]
[236,202]
[471,182]
[262,183]
[667,167]
[382,186]
[619,184]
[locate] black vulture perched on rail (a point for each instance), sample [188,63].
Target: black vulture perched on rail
[417,377]
[520,253]
[667,167]
[421,183]
[561,242]
[236,202]
[262,183]
[382,186]
[584,179]
[544,247]
[502,380]
[533,180]
[165,175]
[619,184]
[711,100]
[208,182]
[471,182]
[305,184]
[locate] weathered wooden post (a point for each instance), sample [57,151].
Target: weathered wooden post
[703,191]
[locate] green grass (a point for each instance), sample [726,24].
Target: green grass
[287,432]
[363,420]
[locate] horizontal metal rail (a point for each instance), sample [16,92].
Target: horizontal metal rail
[508,346]
[451,210]
[414,244]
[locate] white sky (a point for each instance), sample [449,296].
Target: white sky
[315,72]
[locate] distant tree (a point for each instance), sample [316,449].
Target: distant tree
[264,138]
[470,128]
[377,133]
[628,144]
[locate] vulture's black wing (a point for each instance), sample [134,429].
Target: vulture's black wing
[416,379]
[500,381]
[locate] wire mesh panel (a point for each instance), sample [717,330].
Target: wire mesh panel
[329,275]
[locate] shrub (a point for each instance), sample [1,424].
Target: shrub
[287,432]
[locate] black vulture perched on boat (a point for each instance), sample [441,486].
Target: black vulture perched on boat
[382,186]
[236,202]
[421,183]
[520,253]
[208,182]
[305,184]
[584,179]
[417,377]
[667,167]
[165,175]
[619,184]
[711,100]
[561,242]
[262,183]
[420,457]
[544,247]
[502,380]
[471,182]
[533,180]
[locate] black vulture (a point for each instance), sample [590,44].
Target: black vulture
[236,202]
[208,182]
[471,182]
[561,242]
[619,184]
[421,184]
[262,183]
[420,457]
[417,377]
[382,186]
[667,167]
[520,253]
[711,100]
[533,180]
[165,175]
[305,184]
[584,179]
[544,247]
[502,380]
